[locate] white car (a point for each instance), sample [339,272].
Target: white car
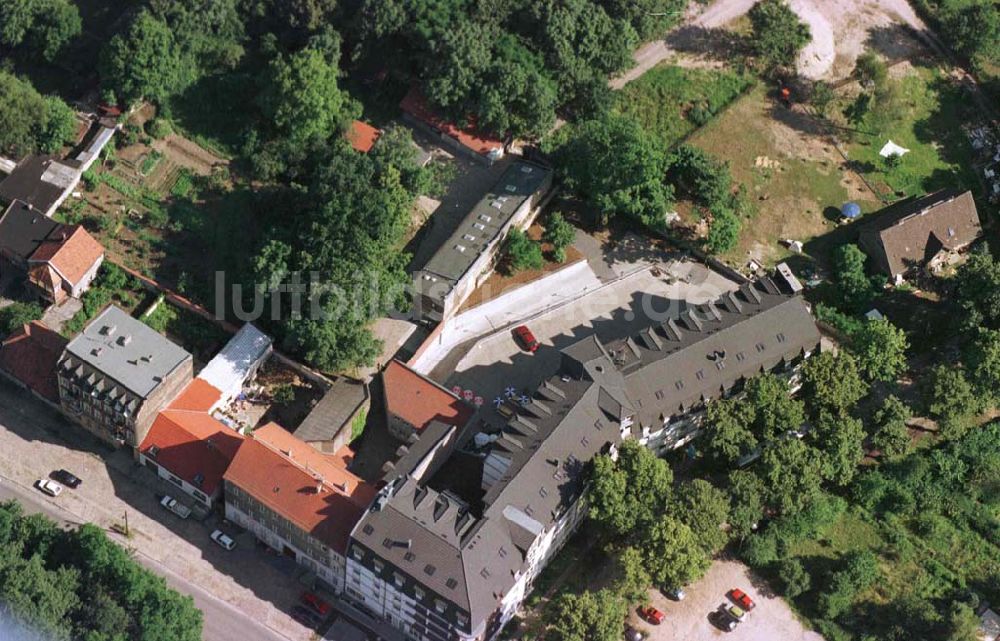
[49,487]
[223,539]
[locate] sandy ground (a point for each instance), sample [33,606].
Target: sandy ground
[771,620]
[841,30]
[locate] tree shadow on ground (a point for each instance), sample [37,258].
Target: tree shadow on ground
[713,43]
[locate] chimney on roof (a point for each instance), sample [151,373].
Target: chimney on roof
[319,486]
[125,339]
[109,330]
[344,487]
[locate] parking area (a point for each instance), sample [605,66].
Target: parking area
[770,620]
[258,582]
[613,310]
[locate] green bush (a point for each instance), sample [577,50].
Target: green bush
[794,577]
[14,316]
[159,128]
[522,252]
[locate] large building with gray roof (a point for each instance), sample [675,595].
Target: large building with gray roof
[468,256]
[440,566]
[117,374]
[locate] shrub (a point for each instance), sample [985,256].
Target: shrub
[760,551]
[284,394]
[159,128]
[523,252]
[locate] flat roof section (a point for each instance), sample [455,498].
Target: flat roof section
[481,227]
[127,350]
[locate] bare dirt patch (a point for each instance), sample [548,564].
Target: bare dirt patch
[187,154]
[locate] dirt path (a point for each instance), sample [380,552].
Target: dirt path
[653,53]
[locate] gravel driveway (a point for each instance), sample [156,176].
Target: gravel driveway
[771,620]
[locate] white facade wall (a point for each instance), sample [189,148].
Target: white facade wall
[87,279]
[178,482]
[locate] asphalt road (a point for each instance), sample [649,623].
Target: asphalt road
[223,622]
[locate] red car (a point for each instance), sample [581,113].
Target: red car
[740,598]
[526,338]
[316,604]
[651,614]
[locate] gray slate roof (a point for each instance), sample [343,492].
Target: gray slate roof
[911,232]
[23,230]
[38,180]
[127,351]
[337,406]
[574,416]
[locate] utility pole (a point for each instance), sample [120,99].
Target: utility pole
[126,523]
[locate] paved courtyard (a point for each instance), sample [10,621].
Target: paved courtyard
[771,620]
[616,309]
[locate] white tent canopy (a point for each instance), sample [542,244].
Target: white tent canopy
[892,149]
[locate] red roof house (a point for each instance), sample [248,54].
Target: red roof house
[362,136]
[65,263]
[413,401]
[186,442]
[314,491]
[479,144]
[29,356]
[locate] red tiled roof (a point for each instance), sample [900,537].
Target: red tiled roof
[189,441]
[415,104]
[419,400]
[30,355]
[362,136]
[71,250]
[282,472]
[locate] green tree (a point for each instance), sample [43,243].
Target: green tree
[822,97]
[43,27]
[14,316]
[951,400]
[617,169]
[870,70]
[977,290]
[880,348]
[962,624]
[144,62]
[775,411]
[853,285]
[674,556]
[839,438]
[523,252]
[794,577]
[723,231]
[589,616]
[792,472]
[974,30]
[982,357]
[747,494]
[859,572]
[30,122]
[633,578]
[705,509]
[777,33]
[729,436]
[890,436]
[832,382]
[559,233]
[300,97]
[696,174]
[626,496]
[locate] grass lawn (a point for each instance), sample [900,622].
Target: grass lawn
[670,102]
[931,128]
[794,176]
